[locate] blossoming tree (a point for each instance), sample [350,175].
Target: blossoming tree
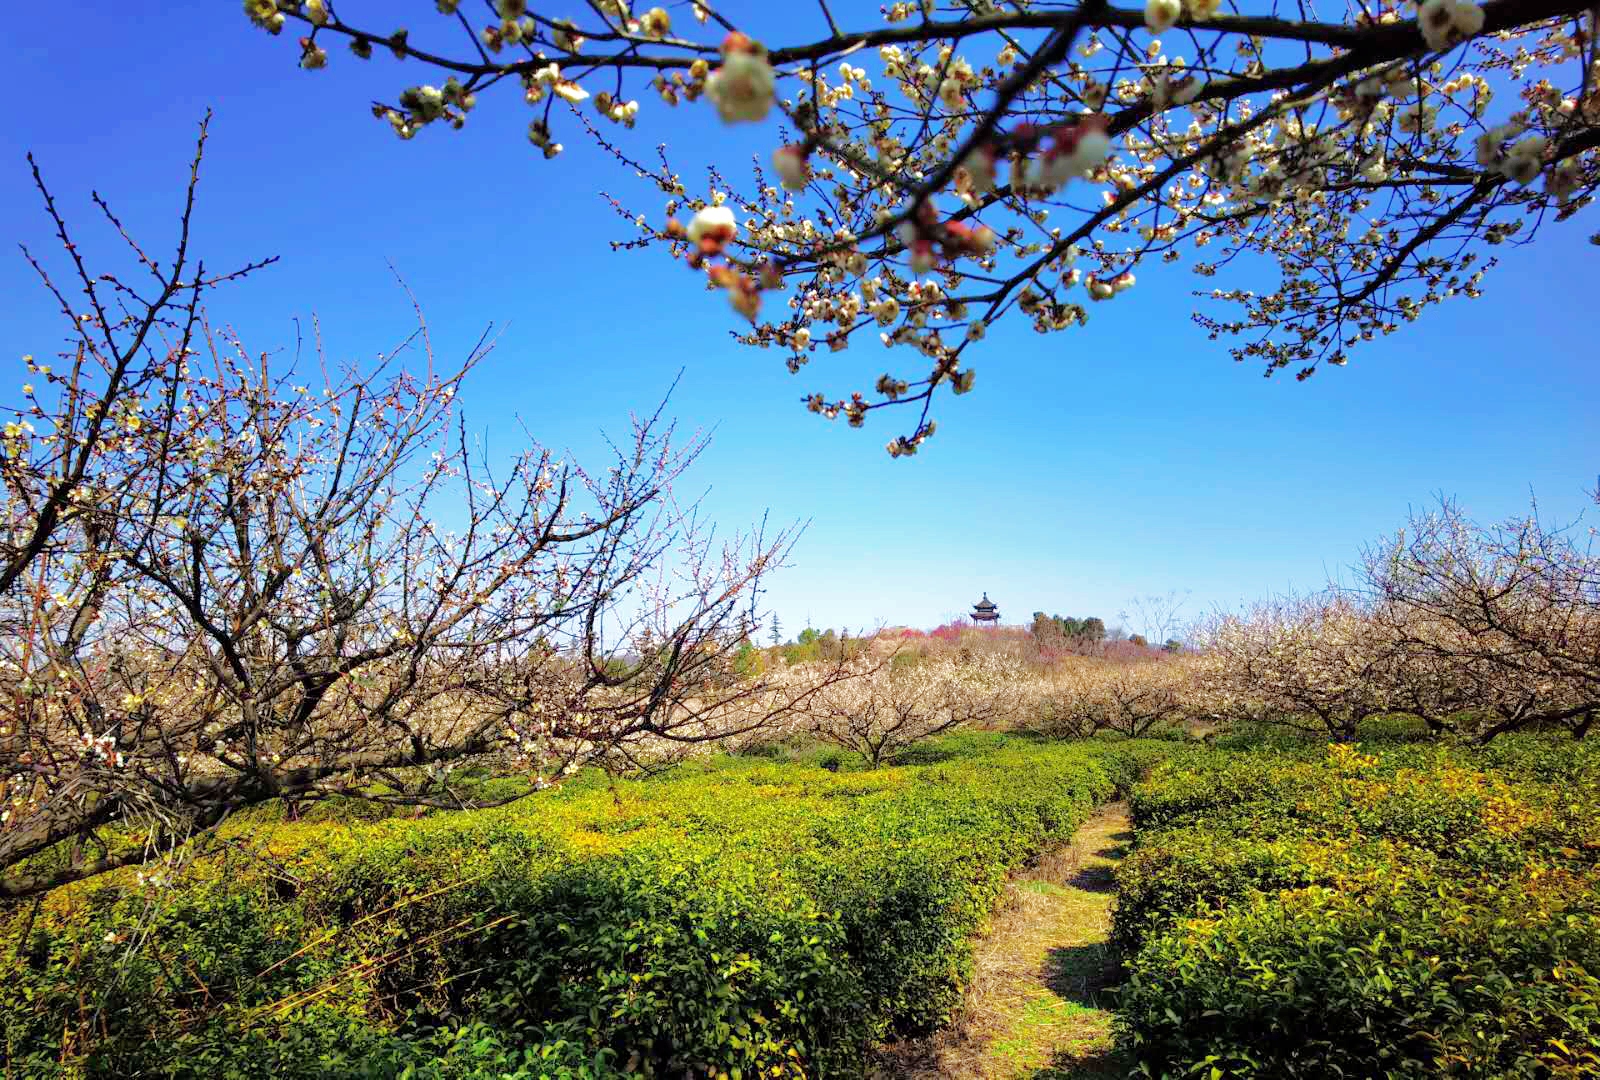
[1474,630]
[1318,664]
[1502,619]
[938,166]
[229,580]
[885,708]
[1133,697]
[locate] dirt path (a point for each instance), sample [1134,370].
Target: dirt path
[1036,1009]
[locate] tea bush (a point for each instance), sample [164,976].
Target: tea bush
[1407,911]
[735,918]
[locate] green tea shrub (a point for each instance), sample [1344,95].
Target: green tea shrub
[1404,911]
[1195,869]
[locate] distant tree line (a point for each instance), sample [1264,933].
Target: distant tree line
[1058,635]
[1054,634]
[1089,629]
[813,645]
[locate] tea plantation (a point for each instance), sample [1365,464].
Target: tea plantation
[1288,911]
[737,918]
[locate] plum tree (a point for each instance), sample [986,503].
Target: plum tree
[942,165]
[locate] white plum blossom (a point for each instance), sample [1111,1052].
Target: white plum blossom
[1563,181]
[712,227]
[1445,23]
[539,135]
[744,86]
[566,36]
[265,14]
[1161,15]
[893,61]
[789,162]
[102,748]
[546,78]
[1073,153]
[952,94]
[1416,118]
[976,174]
[1488,144]
[1525,160]
[1093,148]
[885,708]
[656,23]
[618,112]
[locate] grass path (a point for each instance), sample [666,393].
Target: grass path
[1036,1009]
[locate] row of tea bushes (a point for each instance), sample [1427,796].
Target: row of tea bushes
[1406,911]
[731,919]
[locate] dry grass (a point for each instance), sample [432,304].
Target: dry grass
[1036,1008]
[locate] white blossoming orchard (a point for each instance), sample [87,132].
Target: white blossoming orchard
[888,708]
[361,639]
[1371,156]
[1474,630]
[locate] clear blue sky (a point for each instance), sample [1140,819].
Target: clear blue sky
[1121,458]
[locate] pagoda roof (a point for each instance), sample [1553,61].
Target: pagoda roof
[985,604]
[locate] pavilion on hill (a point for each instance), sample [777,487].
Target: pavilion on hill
[985,611]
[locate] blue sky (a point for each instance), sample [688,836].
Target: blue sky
[1125,457]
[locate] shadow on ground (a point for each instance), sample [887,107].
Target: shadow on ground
[1101,1065]
[1081,974]
[1095,879]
